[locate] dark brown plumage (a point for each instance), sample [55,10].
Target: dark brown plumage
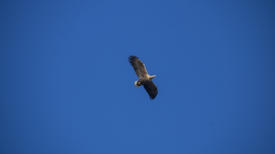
[144,78]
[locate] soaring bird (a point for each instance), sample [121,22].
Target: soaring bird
[144,78]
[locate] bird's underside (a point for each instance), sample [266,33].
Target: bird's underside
[144,78]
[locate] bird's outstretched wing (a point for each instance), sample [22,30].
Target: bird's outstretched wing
[138,66]
[151,88]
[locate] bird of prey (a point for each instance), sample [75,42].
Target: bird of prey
[144,78]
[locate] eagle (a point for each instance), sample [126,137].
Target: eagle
[144,78]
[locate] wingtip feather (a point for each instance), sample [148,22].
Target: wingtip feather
[132,58]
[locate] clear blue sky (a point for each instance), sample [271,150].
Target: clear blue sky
[67,86]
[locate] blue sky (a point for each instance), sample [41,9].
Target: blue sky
[67,86]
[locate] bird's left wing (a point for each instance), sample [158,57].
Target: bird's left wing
[151,88]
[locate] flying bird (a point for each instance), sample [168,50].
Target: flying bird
[144,78]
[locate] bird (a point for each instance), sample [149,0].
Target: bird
[144,78]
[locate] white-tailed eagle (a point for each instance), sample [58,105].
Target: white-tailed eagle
[144,78]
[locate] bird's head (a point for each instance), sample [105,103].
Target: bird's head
[137,83]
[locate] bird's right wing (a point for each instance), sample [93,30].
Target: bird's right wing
[138,66]
[151,88]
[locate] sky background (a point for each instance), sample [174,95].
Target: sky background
[66,85]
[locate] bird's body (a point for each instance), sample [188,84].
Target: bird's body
[144,78]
